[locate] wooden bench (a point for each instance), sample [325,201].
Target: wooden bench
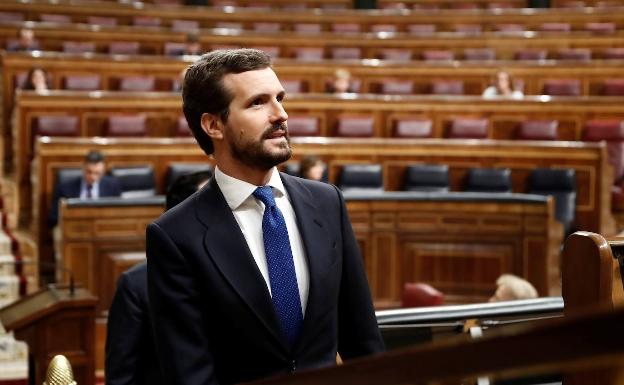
[588,160]
[404,237]
[163,111]
[313,75]
[445,20]
[371,45]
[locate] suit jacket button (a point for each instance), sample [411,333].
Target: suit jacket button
[293,366]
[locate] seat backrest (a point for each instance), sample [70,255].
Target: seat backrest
[55,18]
[613,87]
[146,21]
[600,27]
[468,28]
[361,177]
[184,25]
[468,128]
[176,170]
[309,53]
[421,295]
[136,182]
[355,125]
[413,128]
[437,55]
[396,54]
[127,125]
[376,28]
[182,127]
[78,47]
[293,86]
[303,125]
[292,168]
[562,87]
[82,82]
[561,184]
[447,87]
[538,130]
[397,86]
[582,54]
[345,27]
[345,53]
[611,131]
[427,177]
[421,29]
[174,48]
[555,27]
[307,28]
[65,175]
[531,54]
[614,53]
[11,16]
[267,27]
[56,125]
[124,47]
[509,27]
[489,180]
[137,83]
[479,54]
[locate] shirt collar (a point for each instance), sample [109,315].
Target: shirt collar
[236,191]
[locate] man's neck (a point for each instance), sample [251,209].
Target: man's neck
[245,173]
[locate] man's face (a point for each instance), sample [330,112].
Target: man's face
[27,37]
[93,172]
[256,132]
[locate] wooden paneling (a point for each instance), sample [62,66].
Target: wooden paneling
[91,236]
[458,249]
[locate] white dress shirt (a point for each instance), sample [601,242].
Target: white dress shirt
[95,189]
[249,211]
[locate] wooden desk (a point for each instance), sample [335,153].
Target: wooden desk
[459,243]
[90,233]
[589,160]
[207,17]
[54,321]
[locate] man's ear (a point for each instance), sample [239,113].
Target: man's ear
[212,126]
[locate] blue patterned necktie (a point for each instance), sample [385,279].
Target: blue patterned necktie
[282,276]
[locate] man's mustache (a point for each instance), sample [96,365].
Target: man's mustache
[276,127]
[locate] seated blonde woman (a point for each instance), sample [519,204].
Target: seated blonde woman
[512,288]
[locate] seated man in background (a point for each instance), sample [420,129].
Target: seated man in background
[130,351]
[92,184]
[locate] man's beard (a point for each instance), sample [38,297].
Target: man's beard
[254,154]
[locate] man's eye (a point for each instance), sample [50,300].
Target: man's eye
[256,102]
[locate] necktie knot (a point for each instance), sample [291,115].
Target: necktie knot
[265,194]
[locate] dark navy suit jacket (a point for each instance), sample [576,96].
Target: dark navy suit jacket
[109,187]
[130,352]
[212,312]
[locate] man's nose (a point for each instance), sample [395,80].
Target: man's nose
[279,113]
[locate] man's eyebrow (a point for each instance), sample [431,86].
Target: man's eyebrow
[253,97]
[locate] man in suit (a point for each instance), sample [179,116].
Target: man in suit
[258,273]
[92,184]
[130,352]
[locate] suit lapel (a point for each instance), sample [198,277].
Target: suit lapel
[318,246]
[228,248]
